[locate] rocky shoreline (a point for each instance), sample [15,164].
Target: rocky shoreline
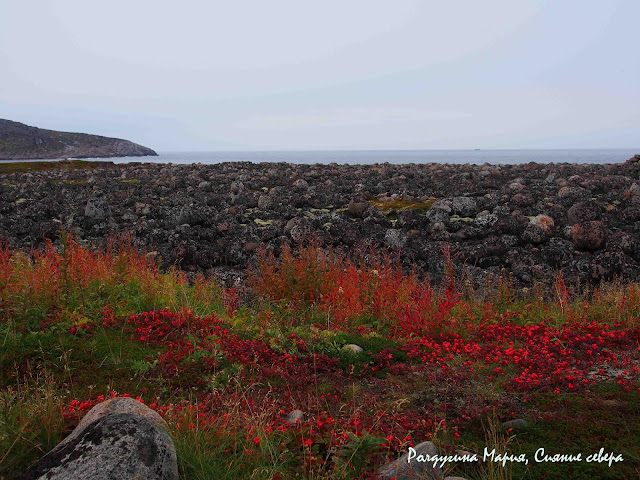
[532,220]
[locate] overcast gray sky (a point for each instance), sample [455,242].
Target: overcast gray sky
[330,74]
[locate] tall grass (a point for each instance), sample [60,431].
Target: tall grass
[73,283]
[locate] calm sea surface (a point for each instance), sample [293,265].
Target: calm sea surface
[395,156]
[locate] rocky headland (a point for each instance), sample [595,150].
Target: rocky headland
[19,141]
[532,220]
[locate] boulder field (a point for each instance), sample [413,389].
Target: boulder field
[532,220]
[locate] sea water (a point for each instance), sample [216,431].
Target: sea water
[597,156]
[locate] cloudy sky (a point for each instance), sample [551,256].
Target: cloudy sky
[330,74]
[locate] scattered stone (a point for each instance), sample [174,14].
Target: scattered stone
[516,424]
[523,199]
[229,208]
[353,348]
[394,239]
[294,417]
[572,195]
[357,209]
[544,222]
[485,221]
[301,184]
[534,234]
[265,202]
[406,468]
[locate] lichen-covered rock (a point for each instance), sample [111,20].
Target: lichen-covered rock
[203,218]
[534,234]
[97,208]
[485,221]
[584,212]
[544,222]
[572,195]
[119,405]
[464,206]
[394,239]
[589,235]
[113,447]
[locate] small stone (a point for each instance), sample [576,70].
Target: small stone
[97,208]
[534,234]
[295,416]
[523,199]
[545,222]
[357,209]
[236,187]
[301,184]
[515,424]
[409,469]
[485,220]
[394,239]
[353,348]
[265,202]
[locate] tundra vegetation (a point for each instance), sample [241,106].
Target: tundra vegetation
[225,367]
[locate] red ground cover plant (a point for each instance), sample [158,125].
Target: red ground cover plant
[434,360]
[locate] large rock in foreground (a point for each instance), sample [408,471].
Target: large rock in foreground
[118,439]
[19,141]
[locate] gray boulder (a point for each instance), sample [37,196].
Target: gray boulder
[119,405]
[516,424]
[116,440]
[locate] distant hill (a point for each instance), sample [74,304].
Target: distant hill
[19,141]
